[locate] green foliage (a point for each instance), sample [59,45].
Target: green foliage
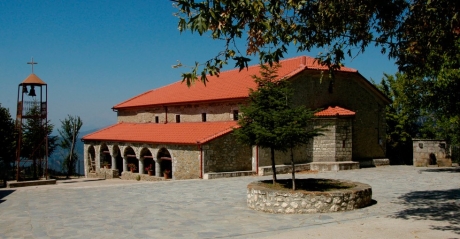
[421,108]
[35,132]
[7,143]
[442,101]
[422,36]
[270,121]
[70,128]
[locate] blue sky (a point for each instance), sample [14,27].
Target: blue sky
[95,54]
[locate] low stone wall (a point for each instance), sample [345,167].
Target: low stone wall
[14,184]
[143,177]
[333,166]
[267,170]
[104,173]
[227,174]
[264,199]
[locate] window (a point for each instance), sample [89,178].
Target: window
[235,114]
[157,120]
[203,117]
[177,118]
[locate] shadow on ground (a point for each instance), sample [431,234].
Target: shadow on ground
[4,193]
[436,205]
[443,170]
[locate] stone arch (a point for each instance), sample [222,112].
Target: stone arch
[116,152]
[164,159]
[91,162]
[147,161]
[131,159]
[105,157]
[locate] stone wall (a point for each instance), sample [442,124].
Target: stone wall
[301,155]
[335,144]
[350,91]
[265,199]
[226,154]
[104,173]
[142,177]
[431,152]
[220,111]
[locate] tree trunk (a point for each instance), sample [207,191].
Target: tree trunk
[69,164]
[272,157]
[293,169]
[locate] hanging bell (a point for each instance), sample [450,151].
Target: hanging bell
[24,89]
[32,91]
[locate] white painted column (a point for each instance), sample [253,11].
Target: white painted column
[141,165]
[125,163]
[114,162]
[157,169]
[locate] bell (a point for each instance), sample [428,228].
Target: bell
[24,89]
[32,91]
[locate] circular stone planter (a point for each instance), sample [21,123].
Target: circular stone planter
[263,198]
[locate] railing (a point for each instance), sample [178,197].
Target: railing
[32,109]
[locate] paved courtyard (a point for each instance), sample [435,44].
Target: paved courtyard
[410,203]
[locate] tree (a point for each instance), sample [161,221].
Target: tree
[270,121]
[34,136]
[7,144]
[70,128]
[403,115]
[422,36]
[442,101]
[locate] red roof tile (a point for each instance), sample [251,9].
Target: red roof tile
[231,84]
[334,111]
[171,133]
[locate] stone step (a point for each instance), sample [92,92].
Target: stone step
[227,174]
[14,184]
[334,166]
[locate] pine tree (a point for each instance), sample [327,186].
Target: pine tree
[7,144]
[270,121]
[34,138]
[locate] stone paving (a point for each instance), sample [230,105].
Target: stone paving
[427,199]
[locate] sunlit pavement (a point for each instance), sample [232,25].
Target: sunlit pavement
[410,203]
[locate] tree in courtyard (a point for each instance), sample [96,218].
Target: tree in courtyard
[34,138]
[70,128]
[270,121]
[403,115]
[7,144]
[422,36]
[442,102]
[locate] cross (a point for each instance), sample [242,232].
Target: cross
[32,63]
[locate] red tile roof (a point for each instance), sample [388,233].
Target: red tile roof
[233,84]
[171,133]
[334,111]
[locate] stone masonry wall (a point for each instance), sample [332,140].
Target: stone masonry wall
[262,198]
[222,111]
[422,150]
[225,154]
[336,142]
[350,91]
[301,155]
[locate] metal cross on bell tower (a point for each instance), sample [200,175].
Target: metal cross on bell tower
[32,63]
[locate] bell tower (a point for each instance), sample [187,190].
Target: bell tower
[32,105]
